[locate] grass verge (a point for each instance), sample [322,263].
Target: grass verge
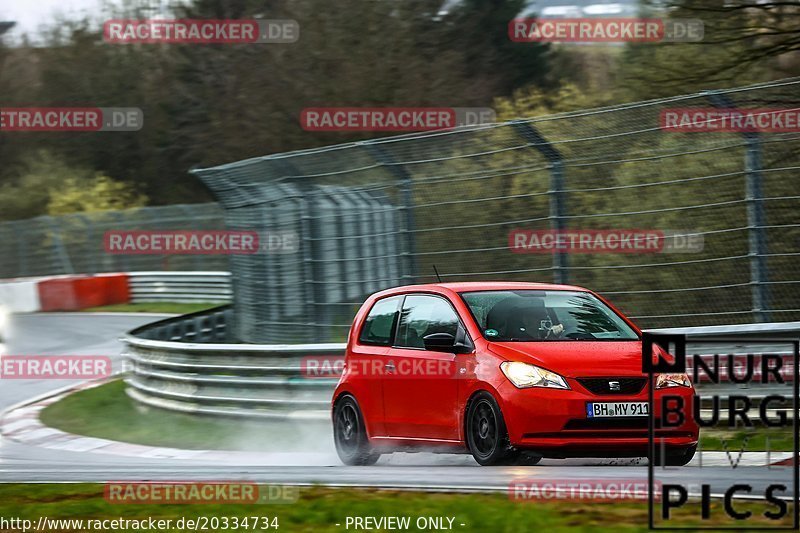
[153,307]
[107,412]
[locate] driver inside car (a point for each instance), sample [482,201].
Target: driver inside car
[535,323]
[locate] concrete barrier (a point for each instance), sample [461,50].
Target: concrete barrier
[82,291]
[20,296]
[73,293]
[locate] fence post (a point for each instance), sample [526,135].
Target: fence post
[92,266]
[405,180]
[757,243]
[123,259]
[58,246]
[190,218]
[314,293]
[558,207]
[22,232]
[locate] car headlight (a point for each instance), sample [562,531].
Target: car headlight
[524,375]
[665,381]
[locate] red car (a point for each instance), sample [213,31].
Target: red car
[505,371]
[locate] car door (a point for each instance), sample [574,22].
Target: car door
[420,387]
[366,359]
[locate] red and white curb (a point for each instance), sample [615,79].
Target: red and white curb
[21,424]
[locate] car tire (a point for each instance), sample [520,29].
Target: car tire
[487,436]
[676,457]
[350,434]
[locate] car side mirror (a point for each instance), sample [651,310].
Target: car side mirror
[445,342]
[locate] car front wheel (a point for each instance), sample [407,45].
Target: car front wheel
[487,436]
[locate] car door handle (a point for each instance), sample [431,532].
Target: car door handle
[390,366]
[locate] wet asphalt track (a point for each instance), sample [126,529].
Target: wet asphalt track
[96,334]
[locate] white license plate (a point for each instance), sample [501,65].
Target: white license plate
[616,409]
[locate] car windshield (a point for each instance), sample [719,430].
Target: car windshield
[528,315]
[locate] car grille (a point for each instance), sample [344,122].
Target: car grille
[602,386]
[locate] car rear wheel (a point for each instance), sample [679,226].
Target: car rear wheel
[487,436]
[350,434]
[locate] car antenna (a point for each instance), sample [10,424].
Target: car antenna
[437,273]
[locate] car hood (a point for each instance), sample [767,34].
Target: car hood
[576,358]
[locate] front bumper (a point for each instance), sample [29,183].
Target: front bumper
[554,423]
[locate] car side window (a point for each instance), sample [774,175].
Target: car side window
[379,324]
[423,315]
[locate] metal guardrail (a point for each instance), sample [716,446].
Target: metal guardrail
[190,364]
[180,286]
[788,330]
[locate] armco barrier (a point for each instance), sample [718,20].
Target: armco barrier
[191,364]
[188,364]
[180,286]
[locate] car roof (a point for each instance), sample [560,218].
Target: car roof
[468,286]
